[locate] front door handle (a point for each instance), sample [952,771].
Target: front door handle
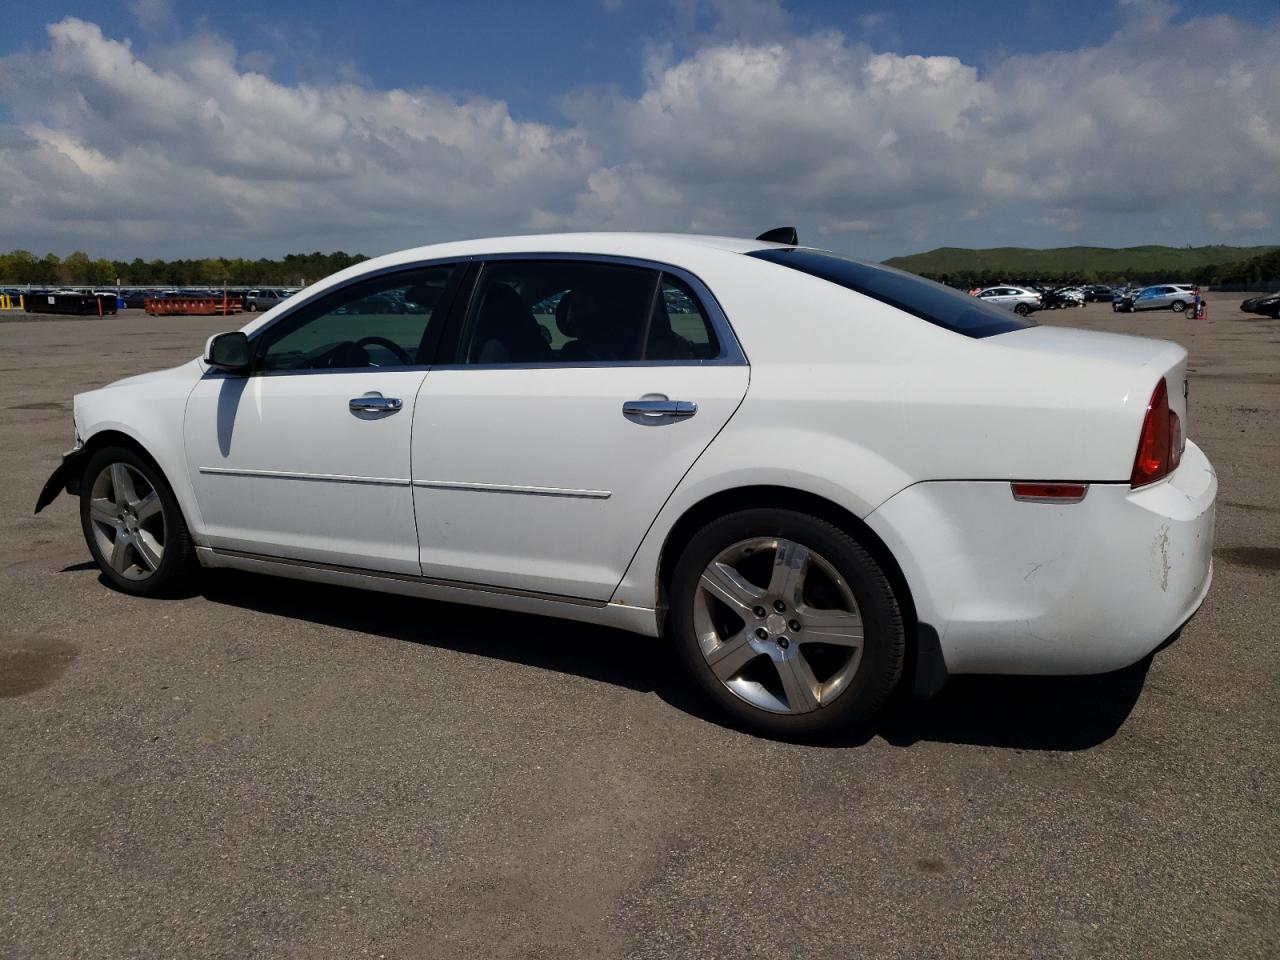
[659,408]
[374,403]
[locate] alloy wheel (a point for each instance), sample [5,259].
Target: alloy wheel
[778,625]
[127,520]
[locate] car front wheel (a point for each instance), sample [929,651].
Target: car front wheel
[133,525]
[787,623]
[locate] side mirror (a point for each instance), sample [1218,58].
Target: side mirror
[228,351]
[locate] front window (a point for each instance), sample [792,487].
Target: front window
[933,302]
[388,321]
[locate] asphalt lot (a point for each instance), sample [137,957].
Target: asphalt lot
[283,770]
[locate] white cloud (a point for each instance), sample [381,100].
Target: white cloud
[195,149]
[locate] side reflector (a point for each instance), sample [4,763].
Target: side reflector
[1030,492]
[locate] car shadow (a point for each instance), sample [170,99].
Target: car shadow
[1025,713]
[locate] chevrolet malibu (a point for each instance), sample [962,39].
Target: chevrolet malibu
[821,478]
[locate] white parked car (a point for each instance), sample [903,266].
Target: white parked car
[807,470]
[1018,299]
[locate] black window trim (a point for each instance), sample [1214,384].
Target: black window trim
[459,299]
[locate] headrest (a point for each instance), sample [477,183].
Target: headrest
[503,305]
[564,316]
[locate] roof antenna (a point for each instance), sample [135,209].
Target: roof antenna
[785,235]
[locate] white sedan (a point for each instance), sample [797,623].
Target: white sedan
[819,477]
[1018,299]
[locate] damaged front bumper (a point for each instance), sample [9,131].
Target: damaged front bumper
[65,477]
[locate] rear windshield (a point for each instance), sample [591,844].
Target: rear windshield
[934,302]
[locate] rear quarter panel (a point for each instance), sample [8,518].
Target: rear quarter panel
[853,400]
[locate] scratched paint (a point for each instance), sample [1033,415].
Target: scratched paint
[1159,566]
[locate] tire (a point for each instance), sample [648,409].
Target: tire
[253,308]
[125,500]
[1177,306]
[827,584]
[1022,309]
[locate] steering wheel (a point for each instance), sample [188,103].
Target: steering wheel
[391,345]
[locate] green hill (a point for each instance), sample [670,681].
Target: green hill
[1081,262]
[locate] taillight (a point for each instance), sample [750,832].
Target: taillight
[1160,443]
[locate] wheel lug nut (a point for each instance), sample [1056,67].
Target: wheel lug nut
[762,633]
[759,612]
[779,606]
[783,643]
[795,626]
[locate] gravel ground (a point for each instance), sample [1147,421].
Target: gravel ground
[277,769]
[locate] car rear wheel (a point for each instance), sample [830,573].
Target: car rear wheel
[787,623]
[1178,306]
[1022,309]
[133,525]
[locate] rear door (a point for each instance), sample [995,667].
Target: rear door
[579,393]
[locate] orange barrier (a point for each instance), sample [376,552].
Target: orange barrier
[192,306]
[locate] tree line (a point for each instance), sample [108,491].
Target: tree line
[21,267]
[1262,268]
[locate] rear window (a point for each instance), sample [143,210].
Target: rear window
[938,304]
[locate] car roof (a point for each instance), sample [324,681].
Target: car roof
[640,245]
[688,250]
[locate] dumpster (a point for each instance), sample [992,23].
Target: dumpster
[82,304]
[193,306]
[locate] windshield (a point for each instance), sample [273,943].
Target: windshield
[938,304]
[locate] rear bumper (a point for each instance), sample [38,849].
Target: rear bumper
[1039,588]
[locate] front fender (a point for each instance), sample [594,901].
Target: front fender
[150,411]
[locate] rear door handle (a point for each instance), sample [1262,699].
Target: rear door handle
[374,403]
[659,408]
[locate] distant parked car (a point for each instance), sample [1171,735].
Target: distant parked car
[137,299]
[1163,296]
[1021,301]
[1060,298]
[1267,305]
[1094,293]
[264,299]
[1122,300]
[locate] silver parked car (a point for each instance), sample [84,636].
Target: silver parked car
[260,300]
[1018,299]
[1164,296]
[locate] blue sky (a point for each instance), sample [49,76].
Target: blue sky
[878,128]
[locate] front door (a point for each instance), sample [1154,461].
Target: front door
[308,456]
[580,395]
